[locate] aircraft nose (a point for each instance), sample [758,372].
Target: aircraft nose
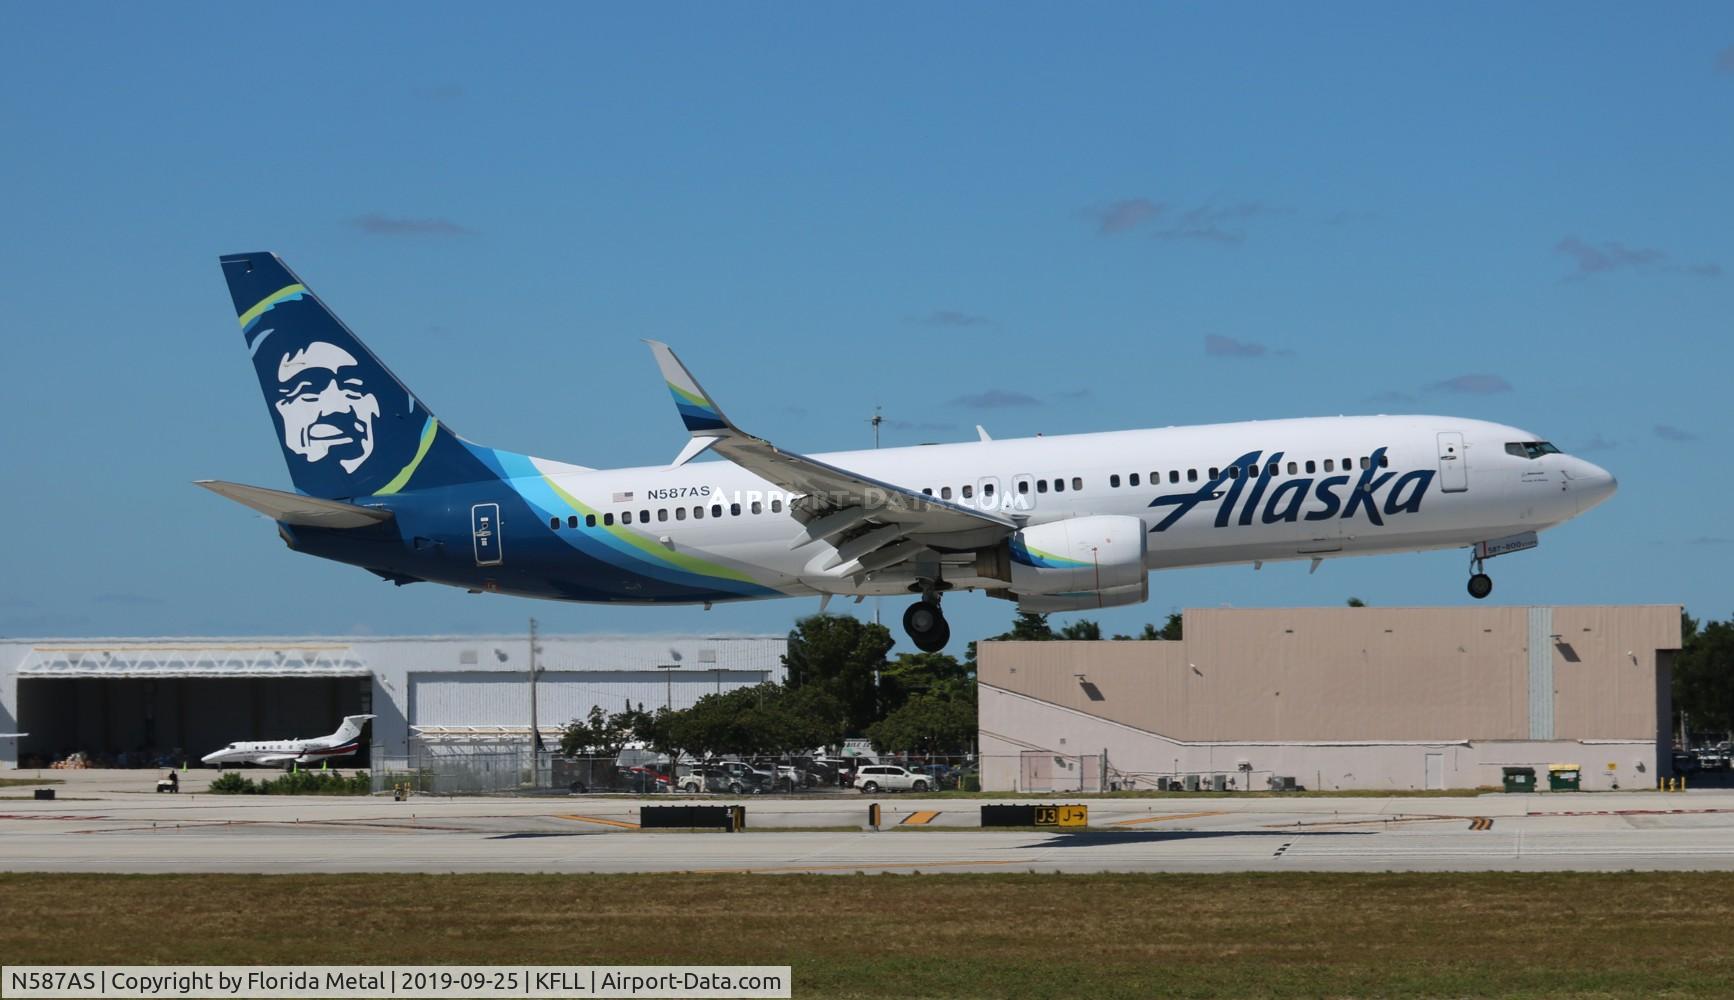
[1593,485]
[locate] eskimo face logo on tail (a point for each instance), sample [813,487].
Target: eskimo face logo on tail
[347,427]
[325,405]
[1377,493]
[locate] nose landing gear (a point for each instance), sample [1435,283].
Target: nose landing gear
[1480,584]
[926,624]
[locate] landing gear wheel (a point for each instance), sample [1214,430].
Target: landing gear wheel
[1480,585]
[926,626]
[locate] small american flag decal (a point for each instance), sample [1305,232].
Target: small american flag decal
[623,497]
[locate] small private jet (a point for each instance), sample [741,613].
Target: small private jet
[1059,523]
[286,753]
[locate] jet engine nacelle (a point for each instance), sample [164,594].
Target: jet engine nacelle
[1136,593]
[1081,562]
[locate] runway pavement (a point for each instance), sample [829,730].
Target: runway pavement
[111,822]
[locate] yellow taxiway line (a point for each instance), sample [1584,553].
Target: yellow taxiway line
[622,824]
[1164,819]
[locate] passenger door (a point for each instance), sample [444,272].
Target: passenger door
[1453,463]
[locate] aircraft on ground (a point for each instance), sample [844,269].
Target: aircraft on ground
[1059,523]
[283,753]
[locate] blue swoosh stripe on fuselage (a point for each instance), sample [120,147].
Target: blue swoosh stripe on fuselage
[527,481]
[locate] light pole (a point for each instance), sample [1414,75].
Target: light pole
[669,677]
[536,747]
[877,419]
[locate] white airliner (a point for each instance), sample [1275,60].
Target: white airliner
[283,753]
[1051,523]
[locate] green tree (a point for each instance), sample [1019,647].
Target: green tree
[1356,602]
[912,674]
[1170,630]
[597,735]
[764,719]
[1029,627]
[1704,674]
[928,724]
[1083,628]
[659,733]
[843,656]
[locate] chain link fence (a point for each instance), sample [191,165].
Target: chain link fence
[444,767]
[494,768]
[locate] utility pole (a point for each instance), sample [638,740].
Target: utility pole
[668,677]
[536,747]
[877,419]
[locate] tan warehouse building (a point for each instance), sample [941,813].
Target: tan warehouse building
[1338,698]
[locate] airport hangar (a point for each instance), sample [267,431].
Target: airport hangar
[146,697]
[1338,698]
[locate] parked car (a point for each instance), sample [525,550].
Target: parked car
[871,778]
[750,778]
[730,776]
[847,768]
[642,780]
[941,775]
[701,778]
[821,773]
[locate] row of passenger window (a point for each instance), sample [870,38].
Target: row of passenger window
[662,514]
[1235,472]
[967,490]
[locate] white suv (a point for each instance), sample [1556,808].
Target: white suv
[871,778]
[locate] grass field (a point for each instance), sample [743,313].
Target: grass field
[1073,936]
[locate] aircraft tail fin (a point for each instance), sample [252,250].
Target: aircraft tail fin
[348,427]
[350,730]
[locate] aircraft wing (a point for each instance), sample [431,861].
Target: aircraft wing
[276,758]
[835,500]
[293,508]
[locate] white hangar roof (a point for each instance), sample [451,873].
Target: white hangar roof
[361,656]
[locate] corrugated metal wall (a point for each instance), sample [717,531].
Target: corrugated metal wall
[502,698]
[1541,653]
[1363,674]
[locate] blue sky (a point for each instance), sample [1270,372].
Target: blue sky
[1039,219]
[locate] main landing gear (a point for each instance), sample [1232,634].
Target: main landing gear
[1480,584]
[926,625]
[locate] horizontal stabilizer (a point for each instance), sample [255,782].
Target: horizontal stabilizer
[293,508]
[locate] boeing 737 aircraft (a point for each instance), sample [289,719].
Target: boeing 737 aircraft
[1053,523]
[282,753]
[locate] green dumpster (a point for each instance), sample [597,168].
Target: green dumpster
[1564,777]
[1520,779]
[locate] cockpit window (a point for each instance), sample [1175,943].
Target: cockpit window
[1530,449]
